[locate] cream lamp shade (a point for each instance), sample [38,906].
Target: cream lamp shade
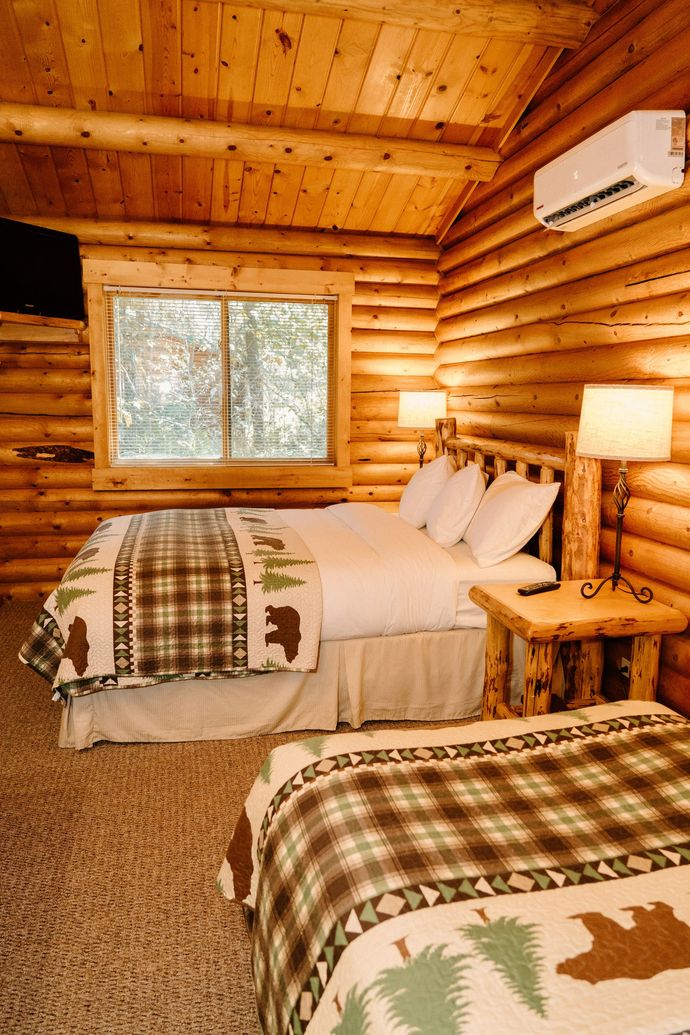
[421,409]
[626,422]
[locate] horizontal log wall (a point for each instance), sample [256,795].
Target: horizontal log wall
[47,505]
[527,316]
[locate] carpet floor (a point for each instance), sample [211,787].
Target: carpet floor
[110,919]
[110,922]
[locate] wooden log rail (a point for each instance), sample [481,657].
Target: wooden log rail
[496,457]
[478,449]
[550,430]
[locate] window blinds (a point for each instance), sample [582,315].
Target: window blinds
[206,377]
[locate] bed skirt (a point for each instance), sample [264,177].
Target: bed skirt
[420,676]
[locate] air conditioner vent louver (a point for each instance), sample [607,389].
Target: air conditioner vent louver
[591,201]
[635,159]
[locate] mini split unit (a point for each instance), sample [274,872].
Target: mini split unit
[634,159]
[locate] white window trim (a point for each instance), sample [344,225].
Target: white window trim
[216,474]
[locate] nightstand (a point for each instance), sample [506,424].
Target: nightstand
[547,619]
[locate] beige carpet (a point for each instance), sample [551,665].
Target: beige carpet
[110,923]
[110,919]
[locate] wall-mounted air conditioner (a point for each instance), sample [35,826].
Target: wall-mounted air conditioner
[636,158]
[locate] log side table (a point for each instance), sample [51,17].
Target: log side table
[547,619]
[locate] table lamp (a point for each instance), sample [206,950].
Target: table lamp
[624,422]
[421,410]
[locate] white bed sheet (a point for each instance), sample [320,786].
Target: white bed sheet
[382,577]
[379,575]
[522,567]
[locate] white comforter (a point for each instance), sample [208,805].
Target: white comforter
[379,575]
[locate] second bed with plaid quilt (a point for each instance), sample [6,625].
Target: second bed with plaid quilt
[178,594]
[511,876]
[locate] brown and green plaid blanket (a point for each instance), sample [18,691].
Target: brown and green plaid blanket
[512,876]
[177,594]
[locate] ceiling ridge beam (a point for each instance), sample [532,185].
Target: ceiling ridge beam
[199,138]
[554,23]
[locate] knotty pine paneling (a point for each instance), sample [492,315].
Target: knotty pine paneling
[527,316]
[47,505]
[416,77]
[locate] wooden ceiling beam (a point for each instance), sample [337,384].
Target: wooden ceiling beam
[198,138]
[554,23]
[216,238]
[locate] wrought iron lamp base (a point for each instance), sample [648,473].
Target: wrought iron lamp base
[644,595]
[421,449]
[621,495]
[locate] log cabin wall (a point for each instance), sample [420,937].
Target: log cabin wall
[47,505]
[527,316]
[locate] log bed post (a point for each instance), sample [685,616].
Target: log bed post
[581,514]
[583,663]
[445,429]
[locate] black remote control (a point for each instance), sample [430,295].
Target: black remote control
[537,587]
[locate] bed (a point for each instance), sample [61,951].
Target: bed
[396,636]
[508,876]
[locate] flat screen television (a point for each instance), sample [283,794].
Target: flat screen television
[40,272]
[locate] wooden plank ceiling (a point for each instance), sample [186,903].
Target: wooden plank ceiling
[285,113]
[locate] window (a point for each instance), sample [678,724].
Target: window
[233,378]
[209,387]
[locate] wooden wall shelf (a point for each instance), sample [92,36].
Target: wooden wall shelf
[42,321]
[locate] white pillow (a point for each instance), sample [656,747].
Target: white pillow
[454,507]
[511,511]
[423,488]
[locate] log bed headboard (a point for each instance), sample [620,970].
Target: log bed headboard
[579,554]
[582,481]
